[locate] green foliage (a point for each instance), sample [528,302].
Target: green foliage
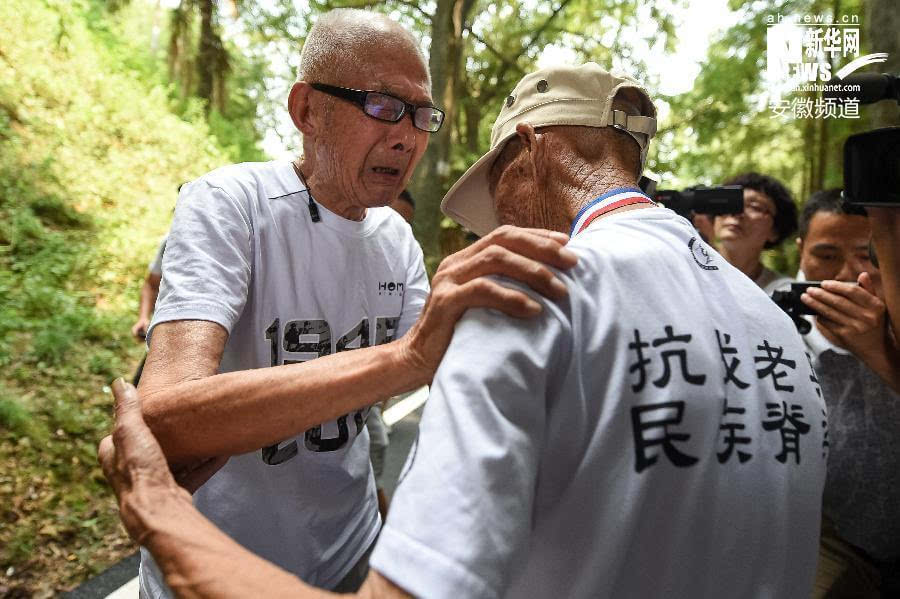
[13,416]
[724,125]
[94,140]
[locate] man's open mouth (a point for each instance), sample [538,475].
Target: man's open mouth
[386,170]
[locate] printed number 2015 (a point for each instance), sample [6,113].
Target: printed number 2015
[314,337]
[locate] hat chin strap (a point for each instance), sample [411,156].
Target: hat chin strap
[634,125]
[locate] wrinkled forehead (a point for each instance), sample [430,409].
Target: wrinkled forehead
[393,70]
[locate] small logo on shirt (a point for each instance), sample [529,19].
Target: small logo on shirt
[701,255]
[390,288]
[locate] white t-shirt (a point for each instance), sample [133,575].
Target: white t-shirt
[155,267]
[771,281]
[244,252]
[561,457]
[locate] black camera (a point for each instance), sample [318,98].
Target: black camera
[789,301]
[722,199]
[871,159]
[872,168]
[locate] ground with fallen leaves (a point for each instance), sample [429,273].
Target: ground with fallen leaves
[58,519]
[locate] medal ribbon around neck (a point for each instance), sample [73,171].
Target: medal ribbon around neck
[617,198]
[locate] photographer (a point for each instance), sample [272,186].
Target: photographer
[769,217]
[850,347]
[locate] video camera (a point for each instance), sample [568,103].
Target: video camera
[722,199]
[871,159]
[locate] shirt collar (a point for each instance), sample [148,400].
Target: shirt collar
[609,201]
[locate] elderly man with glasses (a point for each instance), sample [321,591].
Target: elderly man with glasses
[280,263]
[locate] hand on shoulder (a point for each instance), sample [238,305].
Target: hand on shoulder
[461,282]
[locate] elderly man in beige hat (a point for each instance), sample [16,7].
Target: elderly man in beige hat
[651,434]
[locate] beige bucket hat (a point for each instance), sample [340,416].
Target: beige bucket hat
[558,95]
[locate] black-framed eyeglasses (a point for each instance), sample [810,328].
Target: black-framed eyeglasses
[385,107]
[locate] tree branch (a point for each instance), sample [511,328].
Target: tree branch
[371,3]
[362,4]
[416,6]
[514,63]
[493,50]
[540,30]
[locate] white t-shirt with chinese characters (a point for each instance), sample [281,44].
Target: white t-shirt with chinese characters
[654,434]
[244,252]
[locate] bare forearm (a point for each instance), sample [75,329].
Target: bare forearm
[199,561]
[148,300]
[149,293]
[238,412]
[241,412]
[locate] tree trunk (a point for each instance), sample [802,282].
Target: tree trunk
[433,175]
[473,121]
[822,145]
[206,54]
[809,163]
[175,24]
[882,24]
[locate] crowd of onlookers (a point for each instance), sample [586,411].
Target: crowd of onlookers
[849,344]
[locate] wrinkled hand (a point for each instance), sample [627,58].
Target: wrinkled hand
[853,314]
[134,464]
[139,330]
[459,284]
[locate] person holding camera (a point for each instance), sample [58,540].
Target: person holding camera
[768,218]
[850,347]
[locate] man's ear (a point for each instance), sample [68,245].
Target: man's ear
[298,108]
[527,136]
[533,146]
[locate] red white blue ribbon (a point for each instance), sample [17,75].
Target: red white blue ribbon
[617,198]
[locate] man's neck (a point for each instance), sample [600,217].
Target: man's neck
[587,183]
[336,204]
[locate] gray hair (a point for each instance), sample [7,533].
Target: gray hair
[341,38]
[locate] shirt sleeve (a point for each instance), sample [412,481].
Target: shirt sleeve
[461,517]
[415,292]
[206,266]
[156,266]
